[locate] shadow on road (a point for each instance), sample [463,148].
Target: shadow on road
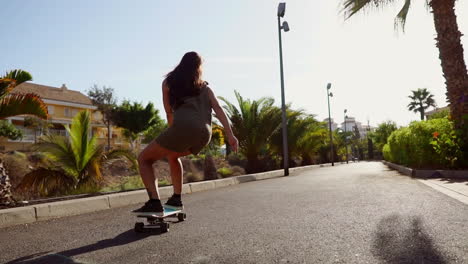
[65,256]
[403,240]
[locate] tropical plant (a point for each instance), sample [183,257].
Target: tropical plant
[9,131]
[425,144]
[301,143]
[74,162]
[253,123]
[12,104]
[448,41]
[311,142]
[135,119]
[38,125]
[440,113]
[105,101]
[153,132]
[421,100]
[382,132]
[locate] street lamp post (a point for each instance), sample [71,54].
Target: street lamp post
[285,27]
[346,137]
[330,94]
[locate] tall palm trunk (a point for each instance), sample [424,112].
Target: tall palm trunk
[5,187]
[452,61]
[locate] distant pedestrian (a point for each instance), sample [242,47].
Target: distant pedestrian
[188,102]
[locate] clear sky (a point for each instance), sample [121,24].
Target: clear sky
[130,45]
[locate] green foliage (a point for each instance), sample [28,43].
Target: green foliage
[9,131]
[105,101]
[253,123]
[381,134]
[12,79]
[154,131]
[301,137]
[75,161]
[134,118]
[445,113]
[421,100]
[225,172]
[12,104]
[424,144]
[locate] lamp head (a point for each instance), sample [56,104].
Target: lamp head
[281,9]
[331,94]
[328,86]
[285,26]
[346,110]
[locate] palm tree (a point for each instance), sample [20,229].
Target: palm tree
[75,161]
[449,45]
[421,100]
[12,104]
[253,123]
[299,127]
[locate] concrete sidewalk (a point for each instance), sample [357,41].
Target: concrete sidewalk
[455,188]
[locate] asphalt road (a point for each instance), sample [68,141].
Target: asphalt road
[356,213]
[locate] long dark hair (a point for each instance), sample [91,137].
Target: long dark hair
[185,79]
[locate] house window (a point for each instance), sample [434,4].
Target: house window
[68,112]
[50,109]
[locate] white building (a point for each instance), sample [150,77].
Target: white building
[351,123]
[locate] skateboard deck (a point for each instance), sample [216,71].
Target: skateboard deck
[167,212]
[157,221]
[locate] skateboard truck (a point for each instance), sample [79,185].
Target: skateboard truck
[157,222]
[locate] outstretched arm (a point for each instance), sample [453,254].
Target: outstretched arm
[224,120]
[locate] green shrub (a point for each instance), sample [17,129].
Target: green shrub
[424,144]
[225,172]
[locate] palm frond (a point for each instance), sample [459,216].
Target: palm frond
[47,181]
[12,79]
[22,104]
[59,150]
[122,152]
[400,19]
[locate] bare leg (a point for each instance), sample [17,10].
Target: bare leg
[147,157]
[176,174]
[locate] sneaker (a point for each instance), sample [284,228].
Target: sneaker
[151,207]
[174,203]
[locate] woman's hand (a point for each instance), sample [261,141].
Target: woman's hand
[234,143]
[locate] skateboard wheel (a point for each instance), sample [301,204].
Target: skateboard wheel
[164,227]
[181,217]
[139,227]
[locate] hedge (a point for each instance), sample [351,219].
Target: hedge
[424,144]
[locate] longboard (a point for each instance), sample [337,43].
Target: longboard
[157,221]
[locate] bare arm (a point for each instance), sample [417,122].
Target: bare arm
[223,119]
[167,105]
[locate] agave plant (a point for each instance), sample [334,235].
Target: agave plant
[75,161]
[12,104]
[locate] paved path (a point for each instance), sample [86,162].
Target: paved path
[356,213]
